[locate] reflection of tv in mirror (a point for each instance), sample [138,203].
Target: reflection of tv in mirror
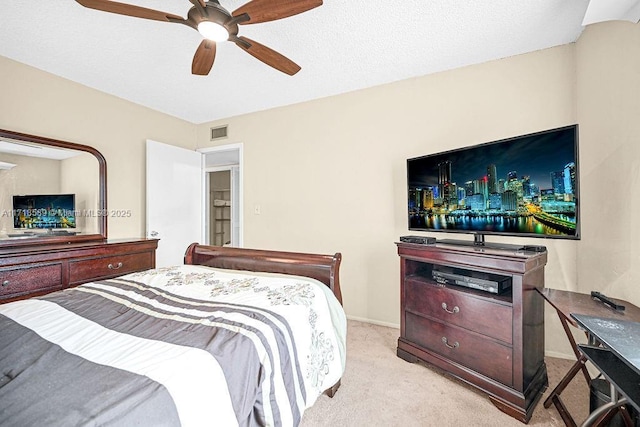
[522,186]
[44,211]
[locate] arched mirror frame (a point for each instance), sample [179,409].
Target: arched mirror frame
[102,189]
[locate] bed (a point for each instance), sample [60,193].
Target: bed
[232,337]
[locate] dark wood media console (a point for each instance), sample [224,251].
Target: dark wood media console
[494,342]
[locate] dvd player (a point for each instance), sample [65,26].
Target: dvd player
[487,282]
[420,240]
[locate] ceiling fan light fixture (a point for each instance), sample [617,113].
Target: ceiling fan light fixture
[213,31]
[216,24]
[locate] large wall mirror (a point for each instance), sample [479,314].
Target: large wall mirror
[50,191]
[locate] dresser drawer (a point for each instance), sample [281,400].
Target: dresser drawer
[30,279]
[459,308]
[88,270]
[474,351]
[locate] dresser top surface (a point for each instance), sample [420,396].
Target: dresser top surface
[70,246]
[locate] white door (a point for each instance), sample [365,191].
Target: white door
[174,200]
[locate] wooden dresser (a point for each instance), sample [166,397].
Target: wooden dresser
[494,342]
[37,270]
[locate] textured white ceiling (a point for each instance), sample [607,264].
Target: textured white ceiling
[343,45]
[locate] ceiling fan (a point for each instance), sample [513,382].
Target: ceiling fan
[216,24]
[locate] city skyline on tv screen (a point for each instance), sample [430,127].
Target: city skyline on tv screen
[523,185]
[44,211]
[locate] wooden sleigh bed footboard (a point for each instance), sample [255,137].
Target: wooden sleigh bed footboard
[325,268]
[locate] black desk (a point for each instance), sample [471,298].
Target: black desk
[565,303]
[618,359]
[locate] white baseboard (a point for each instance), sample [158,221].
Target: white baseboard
[374,322]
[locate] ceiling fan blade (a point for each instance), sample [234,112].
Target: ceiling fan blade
[200,2]
[270,10]
[129,10]
[204,57]
[268,56]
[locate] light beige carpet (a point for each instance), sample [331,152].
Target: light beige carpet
[378,388]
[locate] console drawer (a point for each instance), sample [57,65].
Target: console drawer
[30,279]
[87,270]
[475,313]
[483,355]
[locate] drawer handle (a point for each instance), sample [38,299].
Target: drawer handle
[455,310]
[5,283]
[446,342]
[114,267]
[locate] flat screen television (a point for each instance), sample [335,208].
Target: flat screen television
[522,186]
[44,211]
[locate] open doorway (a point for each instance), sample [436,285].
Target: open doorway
[220,208]
[223,195]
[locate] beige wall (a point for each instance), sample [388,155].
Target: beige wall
[329,175]
[608,63]
[42,104]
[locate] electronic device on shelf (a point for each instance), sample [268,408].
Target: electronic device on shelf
[25,234]
[492,283]
[421,240]
[607,301]
[61,233]
[525,186]
[533,248]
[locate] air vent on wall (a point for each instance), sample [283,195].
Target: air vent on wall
[219,132]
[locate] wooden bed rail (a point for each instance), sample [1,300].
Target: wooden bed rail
[325,268]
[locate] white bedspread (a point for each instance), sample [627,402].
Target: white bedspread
[228,347]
